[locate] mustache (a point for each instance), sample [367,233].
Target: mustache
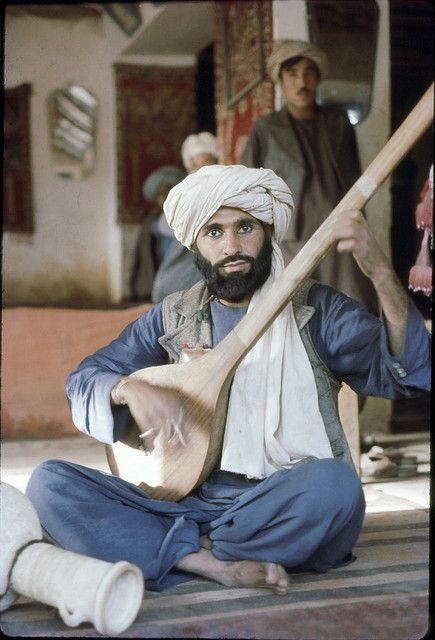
[235,258]
[303,90]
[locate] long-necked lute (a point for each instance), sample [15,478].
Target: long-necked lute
[203,384]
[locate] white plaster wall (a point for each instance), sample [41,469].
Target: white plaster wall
[373,133]
[78,252]
[73,253]
[290,19]
[375,130]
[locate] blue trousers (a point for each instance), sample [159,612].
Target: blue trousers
[306,519]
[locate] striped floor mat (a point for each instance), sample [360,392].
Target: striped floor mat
[381,596]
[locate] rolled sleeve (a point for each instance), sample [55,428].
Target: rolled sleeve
[93,413]
[412,368]
[354,345]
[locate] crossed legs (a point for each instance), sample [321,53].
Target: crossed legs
[303,519]
[308,518]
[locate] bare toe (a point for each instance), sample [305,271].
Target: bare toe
[277,578]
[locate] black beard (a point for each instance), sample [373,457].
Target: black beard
[236,286]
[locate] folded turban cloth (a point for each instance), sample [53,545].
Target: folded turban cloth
[197,143]
[259,192]
[284,49]
[169,174]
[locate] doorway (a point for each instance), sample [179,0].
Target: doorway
[205,91]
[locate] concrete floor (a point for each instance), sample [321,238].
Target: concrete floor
[19,458]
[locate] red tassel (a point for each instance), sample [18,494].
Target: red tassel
[424,212]
[420,276]
[420,279]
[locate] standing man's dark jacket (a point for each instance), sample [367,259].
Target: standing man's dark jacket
[273,144]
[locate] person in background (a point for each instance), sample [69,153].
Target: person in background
[313,149]
[155,236]
[177,270]
[199,150]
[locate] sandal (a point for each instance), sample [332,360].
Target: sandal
[375,464]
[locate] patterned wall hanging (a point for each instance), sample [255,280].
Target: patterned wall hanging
[243,41]
[17,175]
[155,113]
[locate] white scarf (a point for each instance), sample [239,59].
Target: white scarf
[273,415]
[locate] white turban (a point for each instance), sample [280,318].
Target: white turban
[197,143]
[282,50]
[259,192]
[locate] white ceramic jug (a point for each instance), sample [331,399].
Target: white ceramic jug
[83,589]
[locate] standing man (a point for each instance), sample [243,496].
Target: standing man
[313,149]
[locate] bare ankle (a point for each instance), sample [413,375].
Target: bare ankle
[202,563]
[205,542]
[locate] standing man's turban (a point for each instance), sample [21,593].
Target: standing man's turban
[259,192]
[284,49]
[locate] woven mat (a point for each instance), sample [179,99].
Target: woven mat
[381,596]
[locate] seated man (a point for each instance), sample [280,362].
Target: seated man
[284,496]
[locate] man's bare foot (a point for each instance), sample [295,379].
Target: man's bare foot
[261,574]
[238,573]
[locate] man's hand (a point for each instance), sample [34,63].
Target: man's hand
[354,235]
[158,412]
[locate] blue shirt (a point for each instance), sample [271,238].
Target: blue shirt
[351,342]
